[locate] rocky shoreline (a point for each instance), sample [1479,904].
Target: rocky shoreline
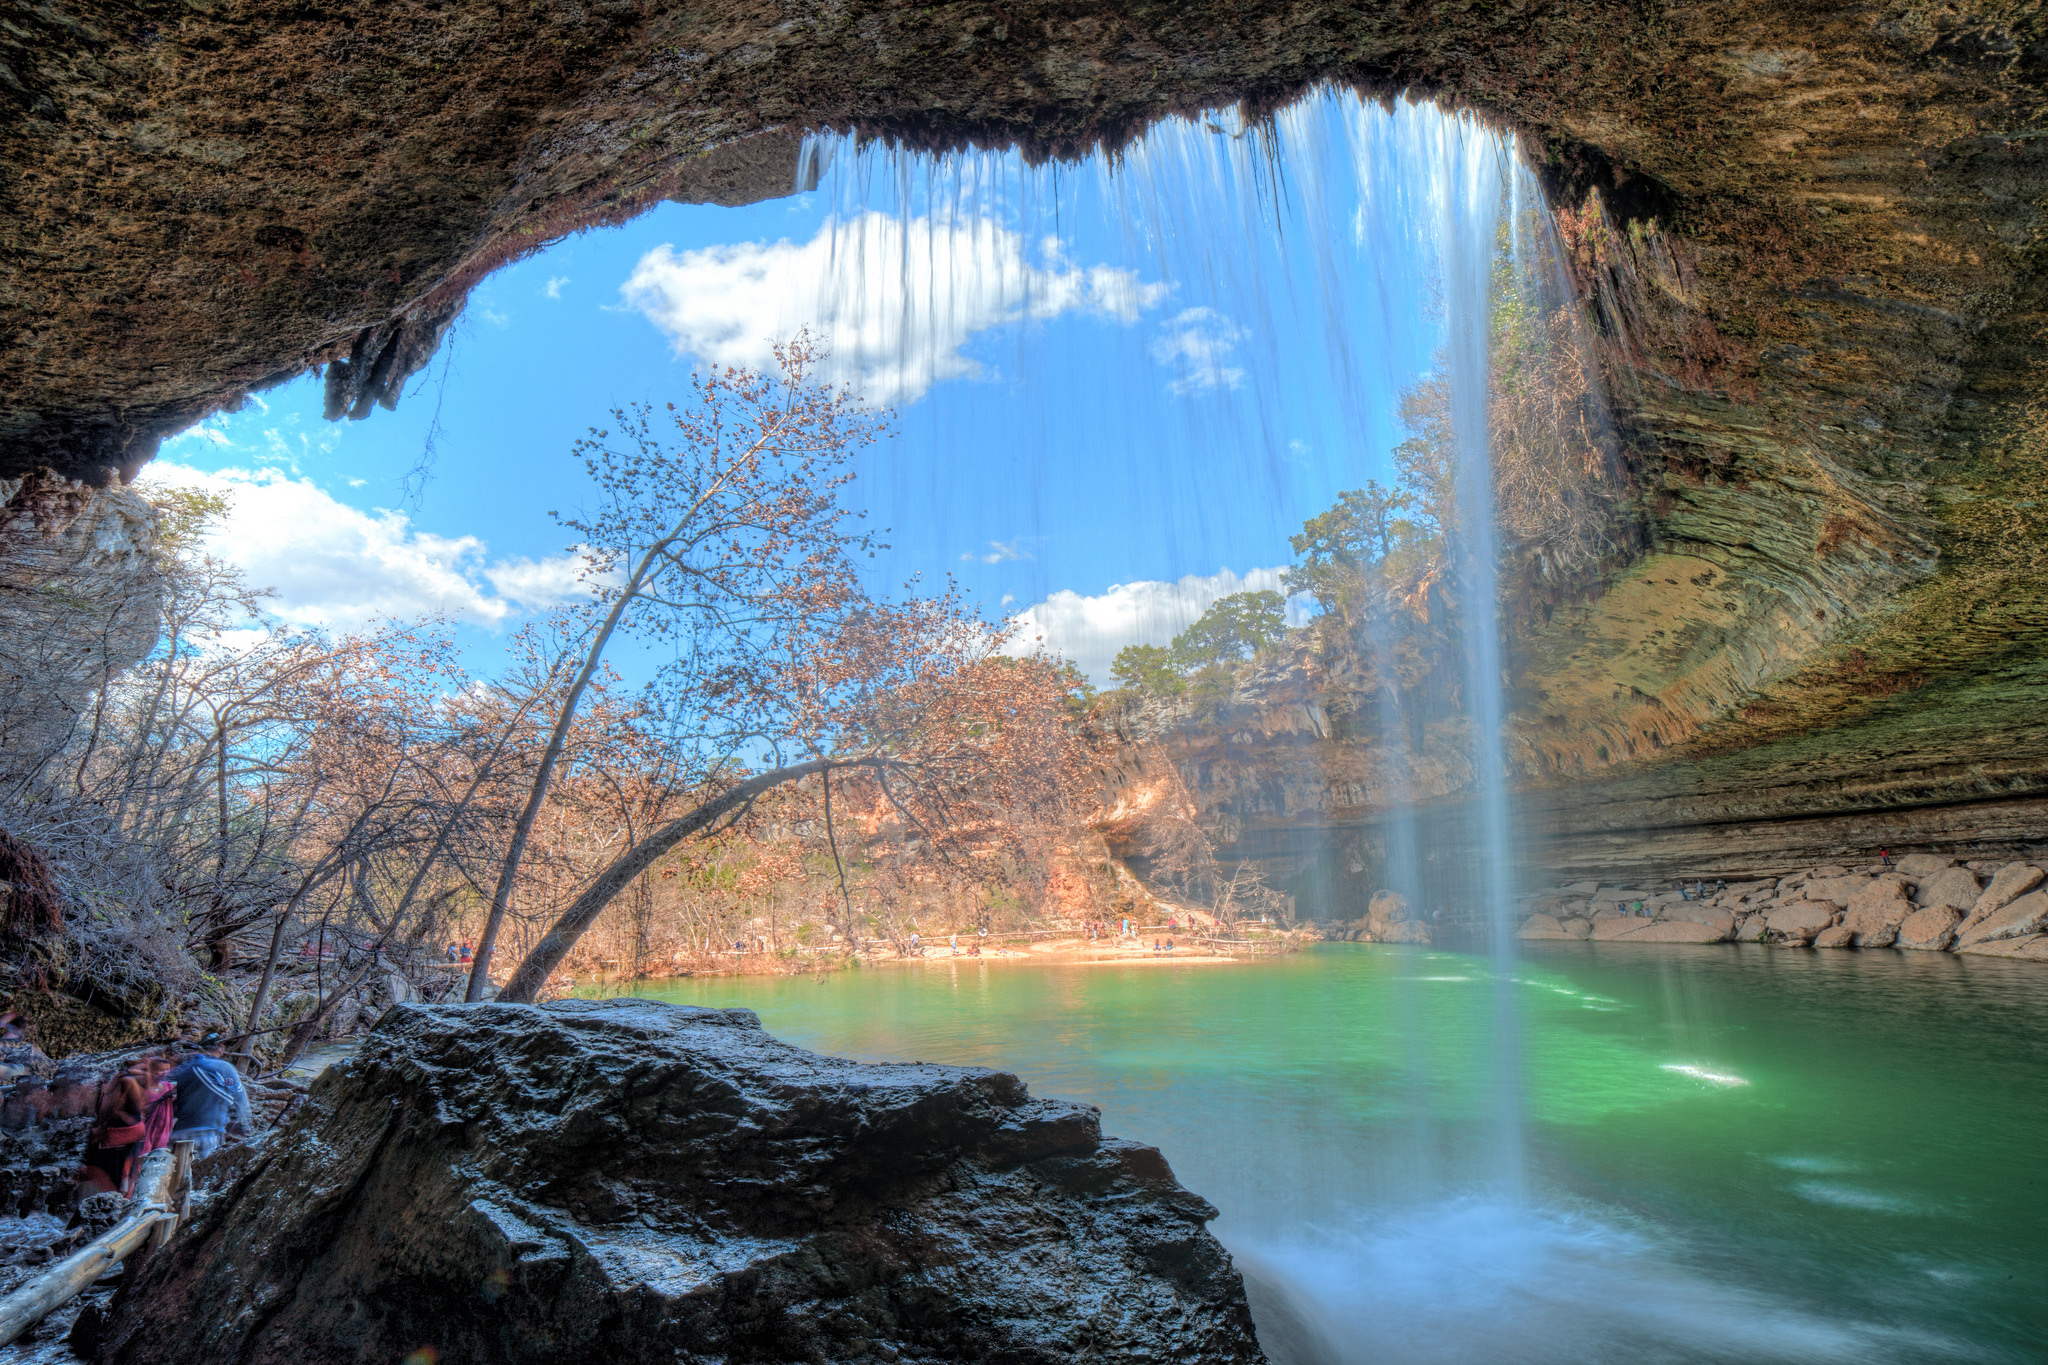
[1921,902]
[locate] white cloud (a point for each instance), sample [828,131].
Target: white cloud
[1090,630]
[338,566]
[538,584]
[554,286]
[998,552]
[896,300]
[1199,344]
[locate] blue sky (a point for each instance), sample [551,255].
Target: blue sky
[1118,390]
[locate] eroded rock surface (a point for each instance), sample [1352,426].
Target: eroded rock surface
[629,1182]
[78,604]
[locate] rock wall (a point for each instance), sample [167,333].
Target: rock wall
[78,604]
[633,1182]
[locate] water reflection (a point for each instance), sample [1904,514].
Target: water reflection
[1865,1196]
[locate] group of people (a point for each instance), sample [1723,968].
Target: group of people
[460,951]
[157,1100]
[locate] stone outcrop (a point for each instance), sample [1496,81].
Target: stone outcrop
[2024,916]
[1928,930]
[1952,888]
[1390,918]
[1678,931]
[2011,882]
[1914,905]
[78,603]
[2030,948]
[1877,927]
[632,1182]
[1885,898]
[1799,921]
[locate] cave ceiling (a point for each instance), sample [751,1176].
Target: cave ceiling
[1820,279]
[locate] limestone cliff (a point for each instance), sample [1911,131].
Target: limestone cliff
[1812,254]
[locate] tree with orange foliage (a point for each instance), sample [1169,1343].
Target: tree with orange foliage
[722,538]
[911,707]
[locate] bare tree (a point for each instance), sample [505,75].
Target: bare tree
[718,540]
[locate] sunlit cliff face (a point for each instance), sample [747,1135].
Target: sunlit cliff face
[1803,242]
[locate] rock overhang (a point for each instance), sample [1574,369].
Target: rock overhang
[1822,295]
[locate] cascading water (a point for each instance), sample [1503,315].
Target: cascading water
[1467,189]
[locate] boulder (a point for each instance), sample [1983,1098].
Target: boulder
[1953,887]
[1610,926]
[2032,948]
[1752,929]
[1577,927]
[2027,915]
[1823,873]
[1835,936]
[628,1182]
[1541,926]
[1884,899]
[2009,883]
[1580,889]
[1917,865]
[1404,931]
[1872,928]
[1928,930]
[1695,911]
[1799,921]
[1390,906]
[1836,891]
[1679,931]
[1388,910]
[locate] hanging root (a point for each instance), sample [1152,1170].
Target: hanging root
[29,903]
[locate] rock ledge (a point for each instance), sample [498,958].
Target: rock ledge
[630,1182]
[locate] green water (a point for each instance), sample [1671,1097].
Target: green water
[1732,1154]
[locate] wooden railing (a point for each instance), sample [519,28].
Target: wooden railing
[160,1198]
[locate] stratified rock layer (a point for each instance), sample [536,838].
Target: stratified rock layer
[627,1182]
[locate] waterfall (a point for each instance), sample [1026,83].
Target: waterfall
[1467,192]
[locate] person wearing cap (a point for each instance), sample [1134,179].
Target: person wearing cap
[210,1096]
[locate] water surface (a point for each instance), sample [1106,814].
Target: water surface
[1734,1153]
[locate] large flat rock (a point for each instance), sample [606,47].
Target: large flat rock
[605,1183]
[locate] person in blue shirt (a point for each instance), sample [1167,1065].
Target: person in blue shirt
[210,1096]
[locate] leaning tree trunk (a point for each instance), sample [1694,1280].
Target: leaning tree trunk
[547,955]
